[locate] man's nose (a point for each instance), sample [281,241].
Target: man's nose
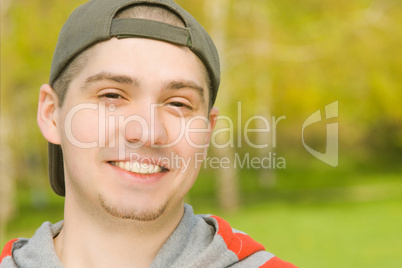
[144,126]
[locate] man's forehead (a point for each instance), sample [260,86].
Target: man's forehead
[117,54]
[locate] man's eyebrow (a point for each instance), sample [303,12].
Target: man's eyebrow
[121,79]
[186,84]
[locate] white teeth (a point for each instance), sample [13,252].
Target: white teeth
[144,168]
[136,167]
[156,169]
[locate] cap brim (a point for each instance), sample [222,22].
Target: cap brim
[56,169]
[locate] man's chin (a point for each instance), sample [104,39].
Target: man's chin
[131,213]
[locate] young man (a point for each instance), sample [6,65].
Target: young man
[128,114]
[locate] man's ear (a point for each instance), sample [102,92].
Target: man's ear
[213,118]
[47,114]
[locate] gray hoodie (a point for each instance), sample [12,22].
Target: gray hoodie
[198,241]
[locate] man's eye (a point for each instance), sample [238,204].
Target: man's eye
[177,104]
[110,96]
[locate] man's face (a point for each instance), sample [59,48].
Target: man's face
[134,127]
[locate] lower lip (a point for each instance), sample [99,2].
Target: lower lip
[136,178]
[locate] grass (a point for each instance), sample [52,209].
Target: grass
[327,235]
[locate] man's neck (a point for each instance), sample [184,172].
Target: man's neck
[86,241]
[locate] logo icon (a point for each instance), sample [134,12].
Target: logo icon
[330,156]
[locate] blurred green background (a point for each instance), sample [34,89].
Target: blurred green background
[279,58]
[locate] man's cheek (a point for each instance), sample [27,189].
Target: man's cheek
[196,134]
[82,129]
[175,130]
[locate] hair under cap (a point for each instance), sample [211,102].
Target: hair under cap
[95,22]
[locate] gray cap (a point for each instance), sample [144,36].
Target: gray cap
[94,22]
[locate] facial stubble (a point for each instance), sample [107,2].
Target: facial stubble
[131,213]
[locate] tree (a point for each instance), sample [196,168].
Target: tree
[227,178]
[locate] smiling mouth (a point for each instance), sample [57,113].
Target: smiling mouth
[139,168]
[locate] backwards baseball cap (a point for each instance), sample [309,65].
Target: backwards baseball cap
[95,21]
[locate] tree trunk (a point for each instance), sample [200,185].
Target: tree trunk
[7,183]
[227,184]
[263,87]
